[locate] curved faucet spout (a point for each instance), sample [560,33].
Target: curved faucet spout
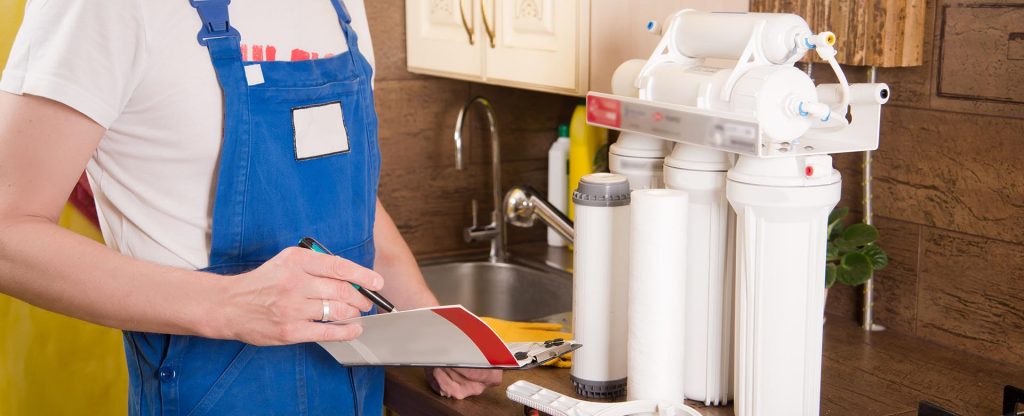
[496,230]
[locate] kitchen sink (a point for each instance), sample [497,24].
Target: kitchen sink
[501,290]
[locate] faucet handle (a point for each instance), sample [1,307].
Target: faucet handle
[476,232]
[476,215]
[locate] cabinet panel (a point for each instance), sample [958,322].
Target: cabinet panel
[535,42]
[437,41]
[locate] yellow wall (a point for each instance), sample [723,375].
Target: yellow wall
[51,364]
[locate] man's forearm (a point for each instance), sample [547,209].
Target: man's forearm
[58,270]
[403,281]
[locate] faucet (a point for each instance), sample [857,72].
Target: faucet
[523,204]
[495,231]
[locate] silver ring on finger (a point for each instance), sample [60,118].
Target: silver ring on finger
[326,311]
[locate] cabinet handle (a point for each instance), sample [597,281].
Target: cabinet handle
[487,26]
[465,23]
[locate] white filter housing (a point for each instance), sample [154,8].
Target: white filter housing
[600,285]
[709,274]
[640,159]
[782,208]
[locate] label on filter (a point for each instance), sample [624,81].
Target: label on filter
[604,111]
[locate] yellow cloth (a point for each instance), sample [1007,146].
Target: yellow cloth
[511,331]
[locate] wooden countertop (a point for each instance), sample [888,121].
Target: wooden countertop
[882,373]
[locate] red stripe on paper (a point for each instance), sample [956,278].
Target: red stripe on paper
[485,339]
[257,52]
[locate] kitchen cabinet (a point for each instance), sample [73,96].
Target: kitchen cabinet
[561,46]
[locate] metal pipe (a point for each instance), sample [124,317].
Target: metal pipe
[867,313]
[523,205]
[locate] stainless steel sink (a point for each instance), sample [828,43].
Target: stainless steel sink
[501,290]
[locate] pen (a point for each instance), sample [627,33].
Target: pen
[380,301]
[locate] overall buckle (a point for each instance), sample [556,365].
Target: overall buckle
[214,14]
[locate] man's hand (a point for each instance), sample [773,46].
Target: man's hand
[277,303]
[461,383]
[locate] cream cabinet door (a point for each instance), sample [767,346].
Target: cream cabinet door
[437,39]
[536,43]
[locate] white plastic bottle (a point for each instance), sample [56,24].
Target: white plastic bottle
[558,178]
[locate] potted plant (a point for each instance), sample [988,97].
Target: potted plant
[851,256]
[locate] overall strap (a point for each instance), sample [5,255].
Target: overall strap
[351,39]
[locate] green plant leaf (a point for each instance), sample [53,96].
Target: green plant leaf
[837,215]
[830,275]
[854,269]
[860,234]
[843,245]
[831,252]
[878,257]
[835,222]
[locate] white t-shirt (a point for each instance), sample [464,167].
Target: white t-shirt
[135,67]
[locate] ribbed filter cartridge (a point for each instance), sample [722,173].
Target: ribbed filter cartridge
[600,273]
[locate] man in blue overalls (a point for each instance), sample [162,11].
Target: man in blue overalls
[188,177]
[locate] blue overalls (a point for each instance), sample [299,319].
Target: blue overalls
[268,198]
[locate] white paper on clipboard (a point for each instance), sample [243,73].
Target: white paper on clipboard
[442,336]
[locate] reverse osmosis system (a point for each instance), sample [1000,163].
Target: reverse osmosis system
[719,114]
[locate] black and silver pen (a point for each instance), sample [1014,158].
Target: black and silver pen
[380,301]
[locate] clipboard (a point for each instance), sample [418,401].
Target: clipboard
[442,336]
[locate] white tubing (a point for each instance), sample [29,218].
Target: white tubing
[657,293]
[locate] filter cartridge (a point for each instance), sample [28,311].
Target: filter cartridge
[600,272]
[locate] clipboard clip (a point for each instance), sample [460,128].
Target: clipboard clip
[552,349]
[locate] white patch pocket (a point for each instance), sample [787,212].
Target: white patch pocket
[319,131]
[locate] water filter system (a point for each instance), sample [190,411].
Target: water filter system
[719,113]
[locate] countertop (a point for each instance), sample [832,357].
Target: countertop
[864,374]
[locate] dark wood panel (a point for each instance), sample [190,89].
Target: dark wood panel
[843,302]
[976,61]
[952,171]
[972,294]
[990,72]
[432,205]
[896,286]
[387,30]
[416,121]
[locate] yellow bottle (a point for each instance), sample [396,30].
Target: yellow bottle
[584,143]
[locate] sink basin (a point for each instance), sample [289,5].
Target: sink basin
[501,290]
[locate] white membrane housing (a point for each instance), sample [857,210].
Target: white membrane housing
[701,172]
